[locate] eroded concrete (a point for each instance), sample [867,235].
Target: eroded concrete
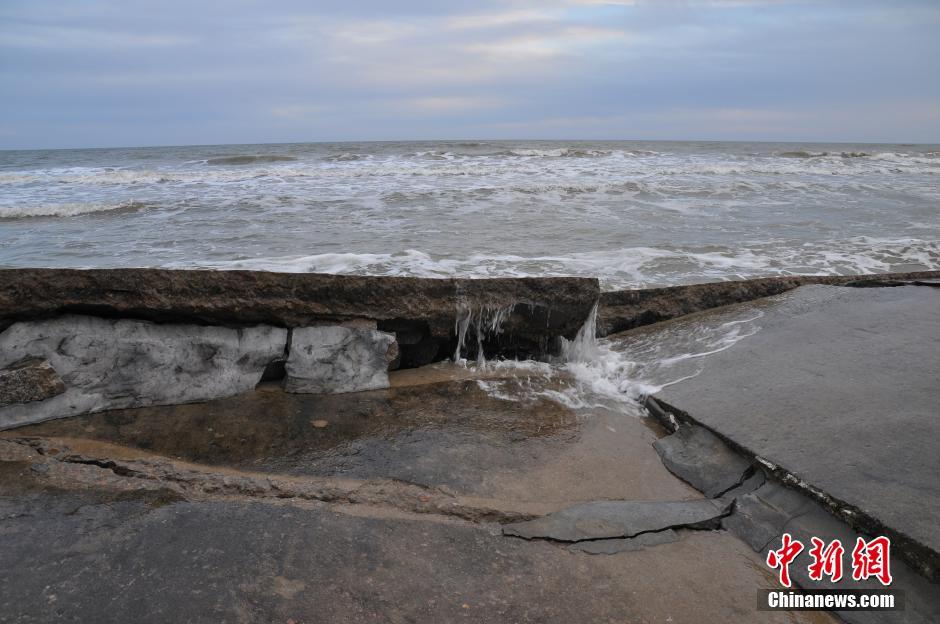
[30,379]
[701,459]
[627,309]
[112,364]
[335,359]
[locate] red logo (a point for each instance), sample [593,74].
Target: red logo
[783,557]
[826,561]
[872,559]
[869,559]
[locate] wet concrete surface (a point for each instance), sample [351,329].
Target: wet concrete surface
[450,434]
[259,508]
[84,556]
[841,388]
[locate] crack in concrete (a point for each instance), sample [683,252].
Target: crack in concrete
[193,482]
[919,556]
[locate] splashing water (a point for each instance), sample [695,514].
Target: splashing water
[487,322]
[619,372]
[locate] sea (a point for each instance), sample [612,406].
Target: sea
[632,213]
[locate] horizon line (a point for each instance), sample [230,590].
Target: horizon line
[467,140]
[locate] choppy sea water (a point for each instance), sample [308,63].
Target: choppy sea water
[630,213]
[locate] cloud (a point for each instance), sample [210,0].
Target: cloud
[501,19]
[449,104]
[57,37]
[297,111]
[134,72]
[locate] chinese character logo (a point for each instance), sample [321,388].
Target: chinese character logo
[869,559]
[784,557]
[826,561]
[872,559]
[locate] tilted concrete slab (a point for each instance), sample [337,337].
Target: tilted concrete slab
[839,387]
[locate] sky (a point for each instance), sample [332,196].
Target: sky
[128,73]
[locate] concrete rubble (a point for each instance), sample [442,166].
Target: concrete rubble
[334,359]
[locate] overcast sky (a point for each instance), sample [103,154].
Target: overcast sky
[127,72]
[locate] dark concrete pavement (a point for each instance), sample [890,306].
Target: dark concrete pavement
[841,388]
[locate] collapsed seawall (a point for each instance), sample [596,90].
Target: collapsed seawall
[79,341]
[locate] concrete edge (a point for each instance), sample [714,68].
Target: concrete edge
[920,557]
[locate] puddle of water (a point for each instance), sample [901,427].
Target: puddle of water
[349,434]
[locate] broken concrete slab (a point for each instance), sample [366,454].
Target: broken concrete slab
[111,363]
[701,459]
[629,544]
[751,483]
[761,517]
[838,389]
[335,359]
[30,379]
[540,308]
[617,519]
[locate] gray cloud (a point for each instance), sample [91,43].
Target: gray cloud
[138,73]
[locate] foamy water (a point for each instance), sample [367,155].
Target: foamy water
[631,213]
[619,372]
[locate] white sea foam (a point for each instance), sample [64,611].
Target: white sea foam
[632,214]
[635,266]
[560,162]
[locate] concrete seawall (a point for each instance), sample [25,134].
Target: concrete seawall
[113,339]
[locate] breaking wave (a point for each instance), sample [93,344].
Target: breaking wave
[633,267]
[64,210]
[248,159]
[571,152]
[346,157]
[805,154]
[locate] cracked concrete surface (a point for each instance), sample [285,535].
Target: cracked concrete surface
[391,511]
[837,394]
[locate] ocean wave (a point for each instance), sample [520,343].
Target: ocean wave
[573,152]
[560,167]
[108,176]
[65,210]
[805,154]
[248,159]
[802,154]
[346,157]
[632,267]
[434,155]
[561,152]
